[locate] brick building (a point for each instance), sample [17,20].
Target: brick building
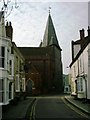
[44,63]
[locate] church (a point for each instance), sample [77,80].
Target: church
[43,64]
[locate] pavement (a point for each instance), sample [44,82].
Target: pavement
[80,104]
[20,111]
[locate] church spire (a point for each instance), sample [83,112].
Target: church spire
[49,10]
[50,37]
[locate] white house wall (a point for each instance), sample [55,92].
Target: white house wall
[81,68]
[85,55]
[5,75]
[73,78]
[88,82]
[4,72]
[76,49]
[85,69]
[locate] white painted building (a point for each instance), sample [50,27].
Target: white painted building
[12,74]
[80,69]
[66,81]
[6,81]
[19,73]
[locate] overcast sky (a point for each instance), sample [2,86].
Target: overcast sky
[29,21]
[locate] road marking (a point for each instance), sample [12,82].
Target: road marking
[32,114]
[74,108]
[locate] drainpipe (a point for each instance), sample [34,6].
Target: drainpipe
[76,88]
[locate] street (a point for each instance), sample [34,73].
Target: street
[53,108]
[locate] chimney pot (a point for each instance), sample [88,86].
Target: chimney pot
[9,30]
[82,34]
[10,24]
[88,30]
[6,23]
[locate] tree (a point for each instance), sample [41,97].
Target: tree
[7,6]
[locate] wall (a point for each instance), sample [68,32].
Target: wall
[79,70]
[88,82]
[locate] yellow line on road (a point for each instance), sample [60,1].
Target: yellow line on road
[32,114]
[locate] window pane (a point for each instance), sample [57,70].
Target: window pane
[2,62]
[3,52]
[2,55]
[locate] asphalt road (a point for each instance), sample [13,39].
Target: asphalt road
[53,108]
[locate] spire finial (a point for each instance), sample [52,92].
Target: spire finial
[49,10]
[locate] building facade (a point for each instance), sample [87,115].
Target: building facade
[47,62]
[66,81]
[8,64]
[6,80]
[80,66]
[19,73]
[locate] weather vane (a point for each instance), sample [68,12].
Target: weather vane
[49,10]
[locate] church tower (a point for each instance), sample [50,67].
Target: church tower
[46,62]
[50,41]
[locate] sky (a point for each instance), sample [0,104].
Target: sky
[29,18]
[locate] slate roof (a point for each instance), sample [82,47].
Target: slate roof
[86,42]
[50,37]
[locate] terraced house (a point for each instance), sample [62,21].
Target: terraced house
[8,64]
[80,66]
[6,89]
[19,73]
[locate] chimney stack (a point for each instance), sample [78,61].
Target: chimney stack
[9,30]
[82,34]
[88,30]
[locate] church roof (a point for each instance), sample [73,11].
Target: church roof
[50,37]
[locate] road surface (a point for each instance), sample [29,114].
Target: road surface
[46,108]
